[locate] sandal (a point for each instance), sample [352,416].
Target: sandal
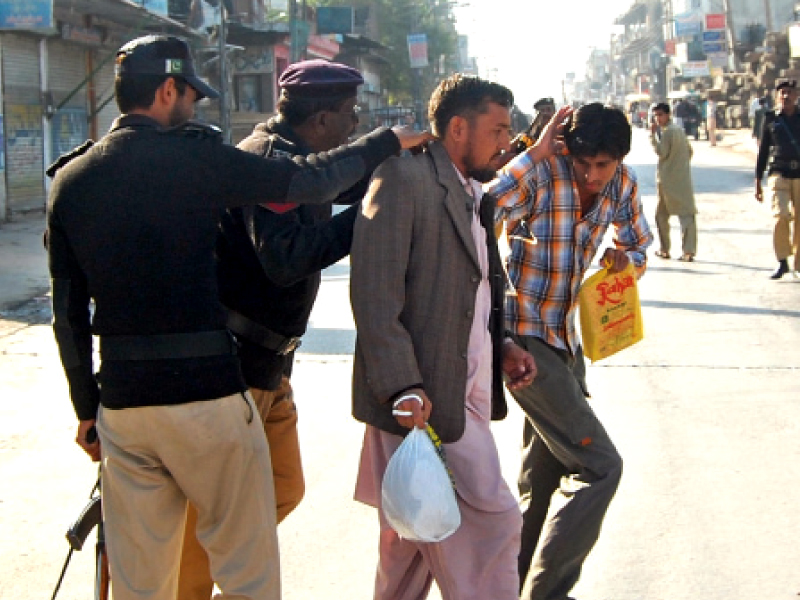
[687,258]
[662,254]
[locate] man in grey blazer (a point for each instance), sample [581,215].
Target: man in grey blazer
[427,287]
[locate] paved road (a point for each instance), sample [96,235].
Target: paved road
[705,412]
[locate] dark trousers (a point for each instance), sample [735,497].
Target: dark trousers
[570,472]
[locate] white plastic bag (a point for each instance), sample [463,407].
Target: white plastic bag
[417,495]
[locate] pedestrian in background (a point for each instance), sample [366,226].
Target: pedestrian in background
[673,183]
[269,259]
[427,287]
[131,226]
[780,148]
[570,467]
[545,109]
[758,119]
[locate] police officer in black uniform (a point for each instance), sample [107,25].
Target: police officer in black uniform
[132,226]
[269,261]
[780,146]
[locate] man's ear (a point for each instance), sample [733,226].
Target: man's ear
[457,128]
[167,92]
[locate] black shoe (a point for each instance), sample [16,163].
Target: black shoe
[783,269]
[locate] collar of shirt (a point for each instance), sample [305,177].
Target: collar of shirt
[472,187]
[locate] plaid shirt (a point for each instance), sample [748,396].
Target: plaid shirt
[552,245]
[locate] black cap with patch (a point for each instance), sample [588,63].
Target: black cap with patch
[319,79]
[782,83]
[543,102]
[162,55]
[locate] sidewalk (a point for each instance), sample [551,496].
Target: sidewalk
[23,261]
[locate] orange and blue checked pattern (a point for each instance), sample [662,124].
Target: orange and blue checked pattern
[552,245]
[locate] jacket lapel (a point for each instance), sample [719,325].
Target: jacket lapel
[456,198]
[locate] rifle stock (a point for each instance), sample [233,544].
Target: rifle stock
[91,516]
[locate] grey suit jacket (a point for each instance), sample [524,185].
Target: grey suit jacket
[414,276]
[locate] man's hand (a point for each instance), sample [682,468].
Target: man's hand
[551,141]
[409,138]
[88,440]
[615,260]
[653,127]
[759,191]
[518,366]
[409,412]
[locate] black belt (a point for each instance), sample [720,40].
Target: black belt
[258,334]
[167,346]
[781,165]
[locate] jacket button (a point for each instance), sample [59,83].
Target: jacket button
[475,279]
[469,314]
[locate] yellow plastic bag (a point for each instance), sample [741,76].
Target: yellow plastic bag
[611,316]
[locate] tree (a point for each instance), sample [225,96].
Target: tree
[395,20]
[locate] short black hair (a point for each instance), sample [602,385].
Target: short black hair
[662,106]
[597,129]
[139,91]
[464,96]
[296,110]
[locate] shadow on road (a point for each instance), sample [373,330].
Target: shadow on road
[720,309]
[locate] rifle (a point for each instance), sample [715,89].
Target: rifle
[90,517]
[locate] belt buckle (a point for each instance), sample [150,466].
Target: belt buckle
[289,345]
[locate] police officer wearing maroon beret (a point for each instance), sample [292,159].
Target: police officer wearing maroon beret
[780,148]
[131,228]
[269,262]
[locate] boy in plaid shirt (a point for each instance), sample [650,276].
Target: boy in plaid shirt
[563,194]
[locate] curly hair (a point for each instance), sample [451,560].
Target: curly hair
[464,96]
[597,129]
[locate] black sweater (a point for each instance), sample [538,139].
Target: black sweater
[269,259]
[132,225]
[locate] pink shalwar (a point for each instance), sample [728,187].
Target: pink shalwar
[479,561]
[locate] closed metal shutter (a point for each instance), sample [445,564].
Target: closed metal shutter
[104,90]
[66,73]
[23,122]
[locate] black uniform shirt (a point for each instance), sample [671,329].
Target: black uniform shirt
[780,142]
[132,225]
[269,259]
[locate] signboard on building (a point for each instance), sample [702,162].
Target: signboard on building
[418,50]
[669,47]
[715,48]
[794,39]
[714,36]
[688,24]
[334,19]
[718,61]
[715,21]
[695,68]
[26,14]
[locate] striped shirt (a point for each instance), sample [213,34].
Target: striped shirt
[552,245]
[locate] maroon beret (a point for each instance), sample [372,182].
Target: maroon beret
[319,78]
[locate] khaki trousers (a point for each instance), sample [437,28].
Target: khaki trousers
[279,417]
[786,210]
[212,453]
[688,230]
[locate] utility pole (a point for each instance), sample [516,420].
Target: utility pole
[768,14]
[224,109]
[731,34]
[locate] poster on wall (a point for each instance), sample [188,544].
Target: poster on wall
[2,146]
[26,15]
